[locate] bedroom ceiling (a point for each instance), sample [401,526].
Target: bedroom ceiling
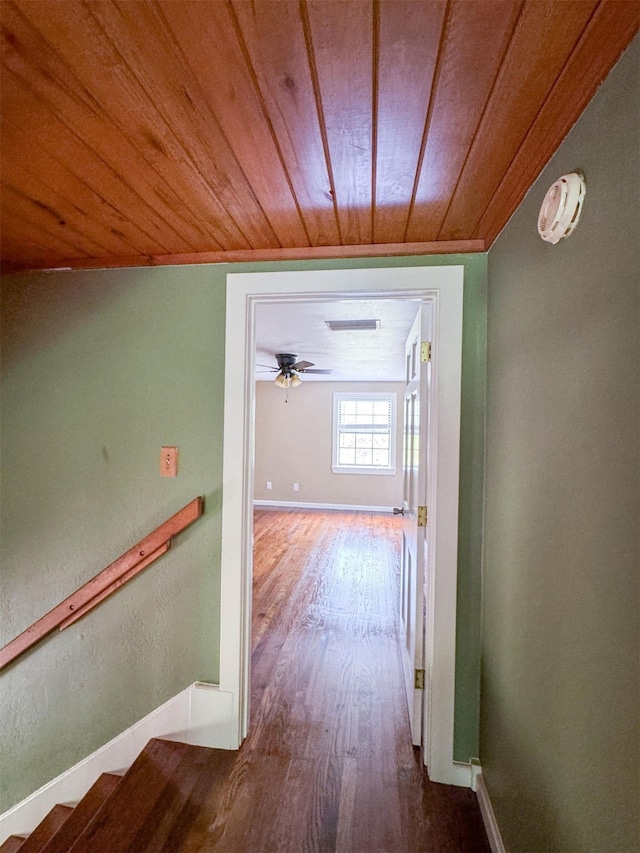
[363,356]
[139,133]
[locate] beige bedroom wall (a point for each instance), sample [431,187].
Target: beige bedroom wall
[293,445]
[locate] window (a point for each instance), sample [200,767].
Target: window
[364,433]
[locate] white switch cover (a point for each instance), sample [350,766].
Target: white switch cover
[295,487]
[268,484]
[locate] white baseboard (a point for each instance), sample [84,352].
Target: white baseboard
[305,505]
[488,816]
[201,714]
[461,774]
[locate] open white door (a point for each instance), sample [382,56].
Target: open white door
[414,510]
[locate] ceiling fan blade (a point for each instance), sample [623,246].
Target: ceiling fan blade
[301,365]
[268,366]
[316,370]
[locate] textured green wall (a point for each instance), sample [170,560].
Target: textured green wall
[559,723]
[99,370]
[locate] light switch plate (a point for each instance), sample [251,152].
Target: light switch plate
[169,461]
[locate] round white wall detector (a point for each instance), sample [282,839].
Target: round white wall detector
[561,207]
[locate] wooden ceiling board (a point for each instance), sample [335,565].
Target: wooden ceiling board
[64,109]
[59,212]
[374,250]
[274,41]
[610,29]
[120,80]
[475,39]
[227,142]
[342,37]
[41,177]
[37,227]
[58,180]
[15,244]
[408,38]
[56,144]
[537,53]
[184,131]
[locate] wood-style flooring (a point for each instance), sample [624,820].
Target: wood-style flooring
[328,764]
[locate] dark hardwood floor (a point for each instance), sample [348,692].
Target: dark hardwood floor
[328,764]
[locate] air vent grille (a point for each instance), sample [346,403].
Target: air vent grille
[353,325]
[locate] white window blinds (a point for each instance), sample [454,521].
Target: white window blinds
[364,431]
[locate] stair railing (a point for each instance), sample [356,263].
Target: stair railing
[84,599]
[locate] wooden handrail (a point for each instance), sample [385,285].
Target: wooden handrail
[85,598]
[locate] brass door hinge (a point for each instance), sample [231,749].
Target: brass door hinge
[423,516]
[425,351]
[419,679]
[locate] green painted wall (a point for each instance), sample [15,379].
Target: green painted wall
[99,369]
[560,651]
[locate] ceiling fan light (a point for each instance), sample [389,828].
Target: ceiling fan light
[295,380]
[282,381]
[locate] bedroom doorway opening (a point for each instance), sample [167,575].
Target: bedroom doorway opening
[440,287]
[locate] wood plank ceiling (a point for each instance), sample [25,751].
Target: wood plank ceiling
[207,130]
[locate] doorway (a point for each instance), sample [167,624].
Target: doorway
[443,288]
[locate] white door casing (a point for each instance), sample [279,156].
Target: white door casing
[442,289]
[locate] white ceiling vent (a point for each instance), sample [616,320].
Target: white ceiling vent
[561,207]
[353,325]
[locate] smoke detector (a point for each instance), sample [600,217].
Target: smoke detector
[561,207]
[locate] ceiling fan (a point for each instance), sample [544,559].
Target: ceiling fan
[288,369]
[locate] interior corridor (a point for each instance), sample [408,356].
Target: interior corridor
[328,764]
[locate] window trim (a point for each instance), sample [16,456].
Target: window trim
[391,469]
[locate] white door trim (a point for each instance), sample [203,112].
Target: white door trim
[443,286]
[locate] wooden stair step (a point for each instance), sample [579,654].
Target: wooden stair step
[46,829]
[83,813]
[194,795]
[117,823]
[153,806]
[12,844]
